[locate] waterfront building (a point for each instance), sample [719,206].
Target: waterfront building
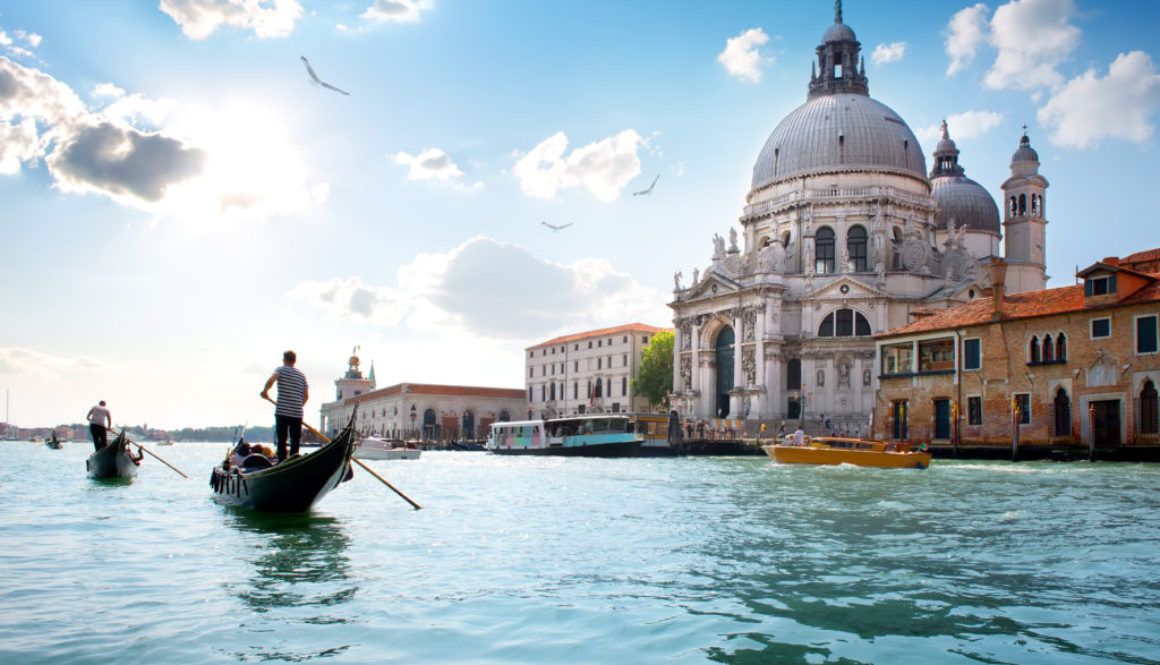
[843,234]
[1070,366]
[587,372]
[430,412]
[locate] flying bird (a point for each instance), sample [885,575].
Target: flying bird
[644,192]
[556,228]
[317,81]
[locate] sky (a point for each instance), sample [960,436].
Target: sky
[181,204]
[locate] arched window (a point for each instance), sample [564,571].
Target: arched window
[1061,348]
[1148,414]
[1048,349]
[897,248]
[1035,357]
[1035,205]
[856,246]
[844,323]
[1022,204]
[1012,207]
[1062,418]
[824,255]
[552,396]
[793,374]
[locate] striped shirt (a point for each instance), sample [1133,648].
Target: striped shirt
[291,386]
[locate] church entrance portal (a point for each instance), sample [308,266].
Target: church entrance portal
[724,346]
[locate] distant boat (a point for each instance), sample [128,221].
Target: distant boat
[374,448]
[582,436]
[54,443]
[115,460]
[291,486]
[839,450]
[165,442]
[469,445]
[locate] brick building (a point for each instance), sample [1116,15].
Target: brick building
[1070,367]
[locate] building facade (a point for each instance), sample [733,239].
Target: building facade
[844,233]
[1071,366]
[429,412]
[588,372]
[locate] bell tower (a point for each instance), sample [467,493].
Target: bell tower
[352,383]
[1025,221]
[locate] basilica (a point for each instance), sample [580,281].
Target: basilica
[844,235]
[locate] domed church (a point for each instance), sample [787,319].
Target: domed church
[844,235]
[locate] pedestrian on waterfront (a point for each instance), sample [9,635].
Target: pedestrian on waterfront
[799,437]
[293,391]
[781,430]
[100,420]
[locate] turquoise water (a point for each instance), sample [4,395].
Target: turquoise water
[557,560]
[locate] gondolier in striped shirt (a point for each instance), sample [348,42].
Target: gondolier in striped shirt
[293,392]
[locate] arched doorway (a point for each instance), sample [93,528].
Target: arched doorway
[467,425]
[1062,414]
[1148,411]
[430,429]
[793,382]
[724,348]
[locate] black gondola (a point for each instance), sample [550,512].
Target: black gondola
[54,443]
[113,461]
[294,485]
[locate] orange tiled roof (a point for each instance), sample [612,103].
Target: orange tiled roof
[1146,256]
[1033,304]
[437,389]
[631,327]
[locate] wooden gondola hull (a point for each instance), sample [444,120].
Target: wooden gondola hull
[112,461]
[288,487]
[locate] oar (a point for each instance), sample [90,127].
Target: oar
[359,462]
[141,447]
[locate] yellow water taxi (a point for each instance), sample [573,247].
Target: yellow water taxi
[839,450]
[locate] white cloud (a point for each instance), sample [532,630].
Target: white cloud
[1089,108]
[30,38]
[603,168]
[201,18]
[742,57]
[489,289]
[1032,38]
[966,30]
[433,164]
[401,11]
[23,361]
[963,126]
[884,53]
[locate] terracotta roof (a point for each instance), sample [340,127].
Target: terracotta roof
[1033,304]
[628,328]
[1146,256]
[437,389]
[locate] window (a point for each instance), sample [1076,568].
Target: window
[644,340]
[626,339]
[626,360]
[531,372]
[553,350]
[1148,411]
[856,246]
[575,365]
[898,358]
[543,352]
[824,251]
[1099,286]
[1034,351]
[553,369]
[1146,340]
[1061,348]
[531,354]
[543,392]
[599,343]
[552,393]
[1021,403]
[844,323]
[1101,328]
[590,344]
[972,353]
[529,393]
[1048,349]
[624,386]
[974,410]
[599,363]
[936,355]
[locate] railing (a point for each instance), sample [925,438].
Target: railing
[836,193]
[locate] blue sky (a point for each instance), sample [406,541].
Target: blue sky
[181,204]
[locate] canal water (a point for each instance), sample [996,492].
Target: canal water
[555,560]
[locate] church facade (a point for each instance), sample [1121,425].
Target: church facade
[844,234]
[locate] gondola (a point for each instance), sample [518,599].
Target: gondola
[113,461]
[53,443]
[291,486]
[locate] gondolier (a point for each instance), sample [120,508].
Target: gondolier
[293,392]
[99,421]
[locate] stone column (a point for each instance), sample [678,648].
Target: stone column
[736,404]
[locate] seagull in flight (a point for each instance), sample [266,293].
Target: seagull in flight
[557,228]
[317,81]
[644,192]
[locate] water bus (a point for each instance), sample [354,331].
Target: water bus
[840,450]
[583,436]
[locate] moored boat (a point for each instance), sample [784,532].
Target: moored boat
[115,460]
[374,448]
[582,436]
[839,450]
[293,485]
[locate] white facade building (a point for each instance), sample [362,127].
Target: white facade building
[844,235]
[588,372]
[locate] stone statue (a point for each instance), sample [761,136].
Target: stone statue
[718,246]
[687,373]
[696,276]
[733,241]
[821,377]
[677,280]
[771,258]
[844,375]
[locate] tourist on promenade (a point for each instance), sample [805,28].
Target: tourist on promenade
[99,421]
[293,392]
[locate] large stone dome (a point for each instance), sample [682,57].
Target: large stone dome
[839,132]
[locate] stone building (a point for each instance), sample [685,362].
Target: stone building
[1071,366]
[587,372]
[844,233]
[430,412]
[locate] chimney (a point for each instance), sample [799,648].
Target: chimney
[1111,261]
[998,287]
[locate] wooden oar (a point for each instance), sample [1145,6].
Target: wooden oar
[359,462]
[141,447]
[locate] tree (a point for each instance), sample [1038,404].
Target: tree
[654,380]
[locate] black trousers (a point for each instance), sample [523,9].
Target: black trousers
[100,440]
[287,428]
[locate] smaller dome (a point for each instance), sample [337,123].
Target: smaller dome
[965,201]
[1025,153]
[839,32]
